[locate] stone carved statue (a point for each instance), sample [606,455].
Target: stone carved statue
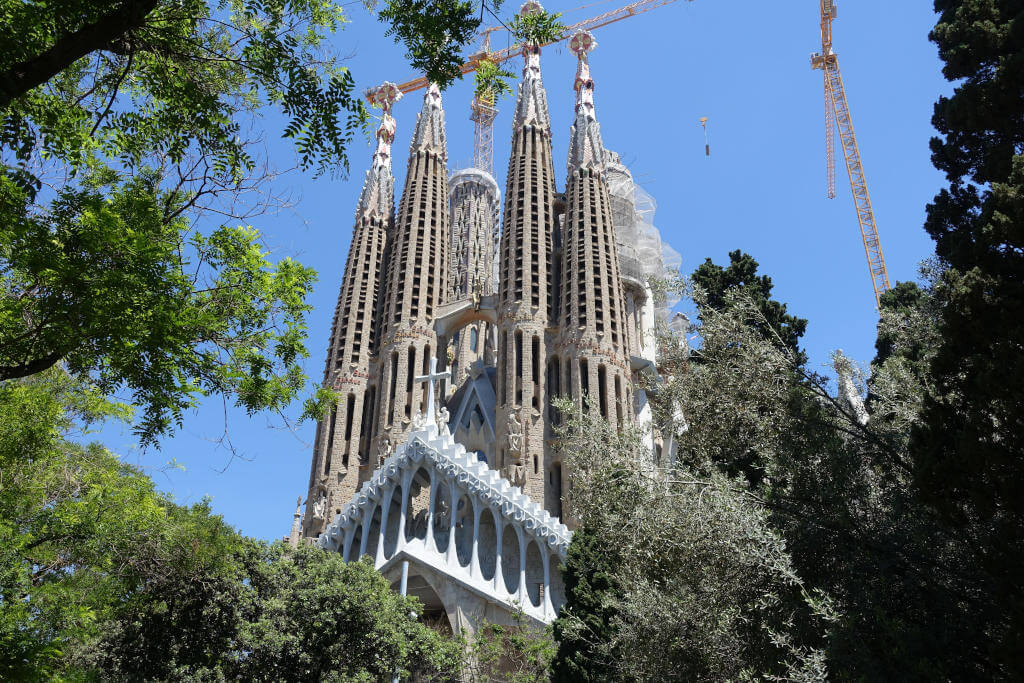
[516,469]
[515,434]
[320,507]
[385,450]
[418,420]
[442,418]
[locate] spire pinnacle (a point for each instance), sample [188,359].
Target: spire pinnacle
[377,198]
[429,135]
[586,150]
[532,101]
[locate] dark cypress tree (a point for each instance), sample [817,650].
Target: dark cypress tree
[741,274]
[585,624]
[969,448]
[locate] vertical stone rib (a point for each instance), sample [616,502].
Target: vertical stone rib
[416,275]
[341,445]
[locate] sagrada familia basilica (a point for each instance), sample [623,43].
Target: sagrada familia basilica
[449,344]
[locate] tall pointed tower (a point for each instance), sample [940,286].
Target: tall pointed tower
[343,438]
[593,345]
[526,288]
[475,202]
[416,277]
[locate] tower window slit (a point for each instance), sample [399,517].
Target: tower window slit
[519,367]
[584,378]
[349,415]
[410,368]
[394,388]
[602,390]
[330,439]
[535,352]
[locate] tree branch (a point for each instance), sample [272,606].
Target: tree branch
[31,73]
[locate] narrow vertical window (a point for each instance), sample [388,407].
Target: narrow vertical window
[330,439]
[535,353]
[519,367]
[394,388]
[410,369]
[584,378]
[602,390]
[349,415]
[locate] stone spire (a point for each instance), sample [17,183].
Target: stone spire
[585,147]
[378,196]
[417,274]
[342,443]
[593,346]
[526,295]
[429,134]
[532,100]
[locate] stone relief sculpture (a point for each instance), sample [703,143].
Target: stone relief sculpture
[515,434]
[516,469]
[385,449]
[418,420]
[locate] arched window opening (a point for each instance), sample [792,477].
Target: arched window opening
[473,338]
[602,390]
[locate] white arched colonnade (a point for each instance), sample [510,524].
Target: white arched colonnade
[439,506]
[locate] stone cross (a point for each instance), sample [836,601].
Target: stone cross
[429,379]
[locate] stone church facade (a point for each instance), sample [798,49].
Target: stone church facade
[468,490]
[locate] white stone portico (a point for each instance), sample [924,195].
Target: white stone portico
[499,550]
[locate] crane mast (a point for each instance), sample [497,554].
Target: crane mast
[837,114]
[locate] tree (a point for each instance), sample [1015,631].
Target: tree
[100,573]
[698,586]
[586,622]
[967,451]
[129,172]
[741,274]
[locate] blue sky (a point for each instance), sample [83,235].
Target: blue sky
[745,66]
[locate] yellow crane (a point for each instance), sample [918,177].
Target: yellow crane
[837,113]
[483,111]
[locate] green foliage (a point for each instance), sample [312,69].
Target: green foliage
[587,620]
[967,446]
[537,28]
[433,33]
[491,82]
[741,275]
[517,653]
[678,575]
[123,132]
[107,284]
[913,601]
[100,575]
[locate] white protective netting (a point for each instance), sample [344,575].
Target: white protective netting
[642,253]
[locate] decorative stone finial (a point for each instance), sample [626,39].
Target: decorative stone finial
[582,42]
[530,7]
[384,96]
[585,147]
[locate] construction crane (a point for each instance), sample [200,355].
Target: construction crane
[483,111]
[837,113]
